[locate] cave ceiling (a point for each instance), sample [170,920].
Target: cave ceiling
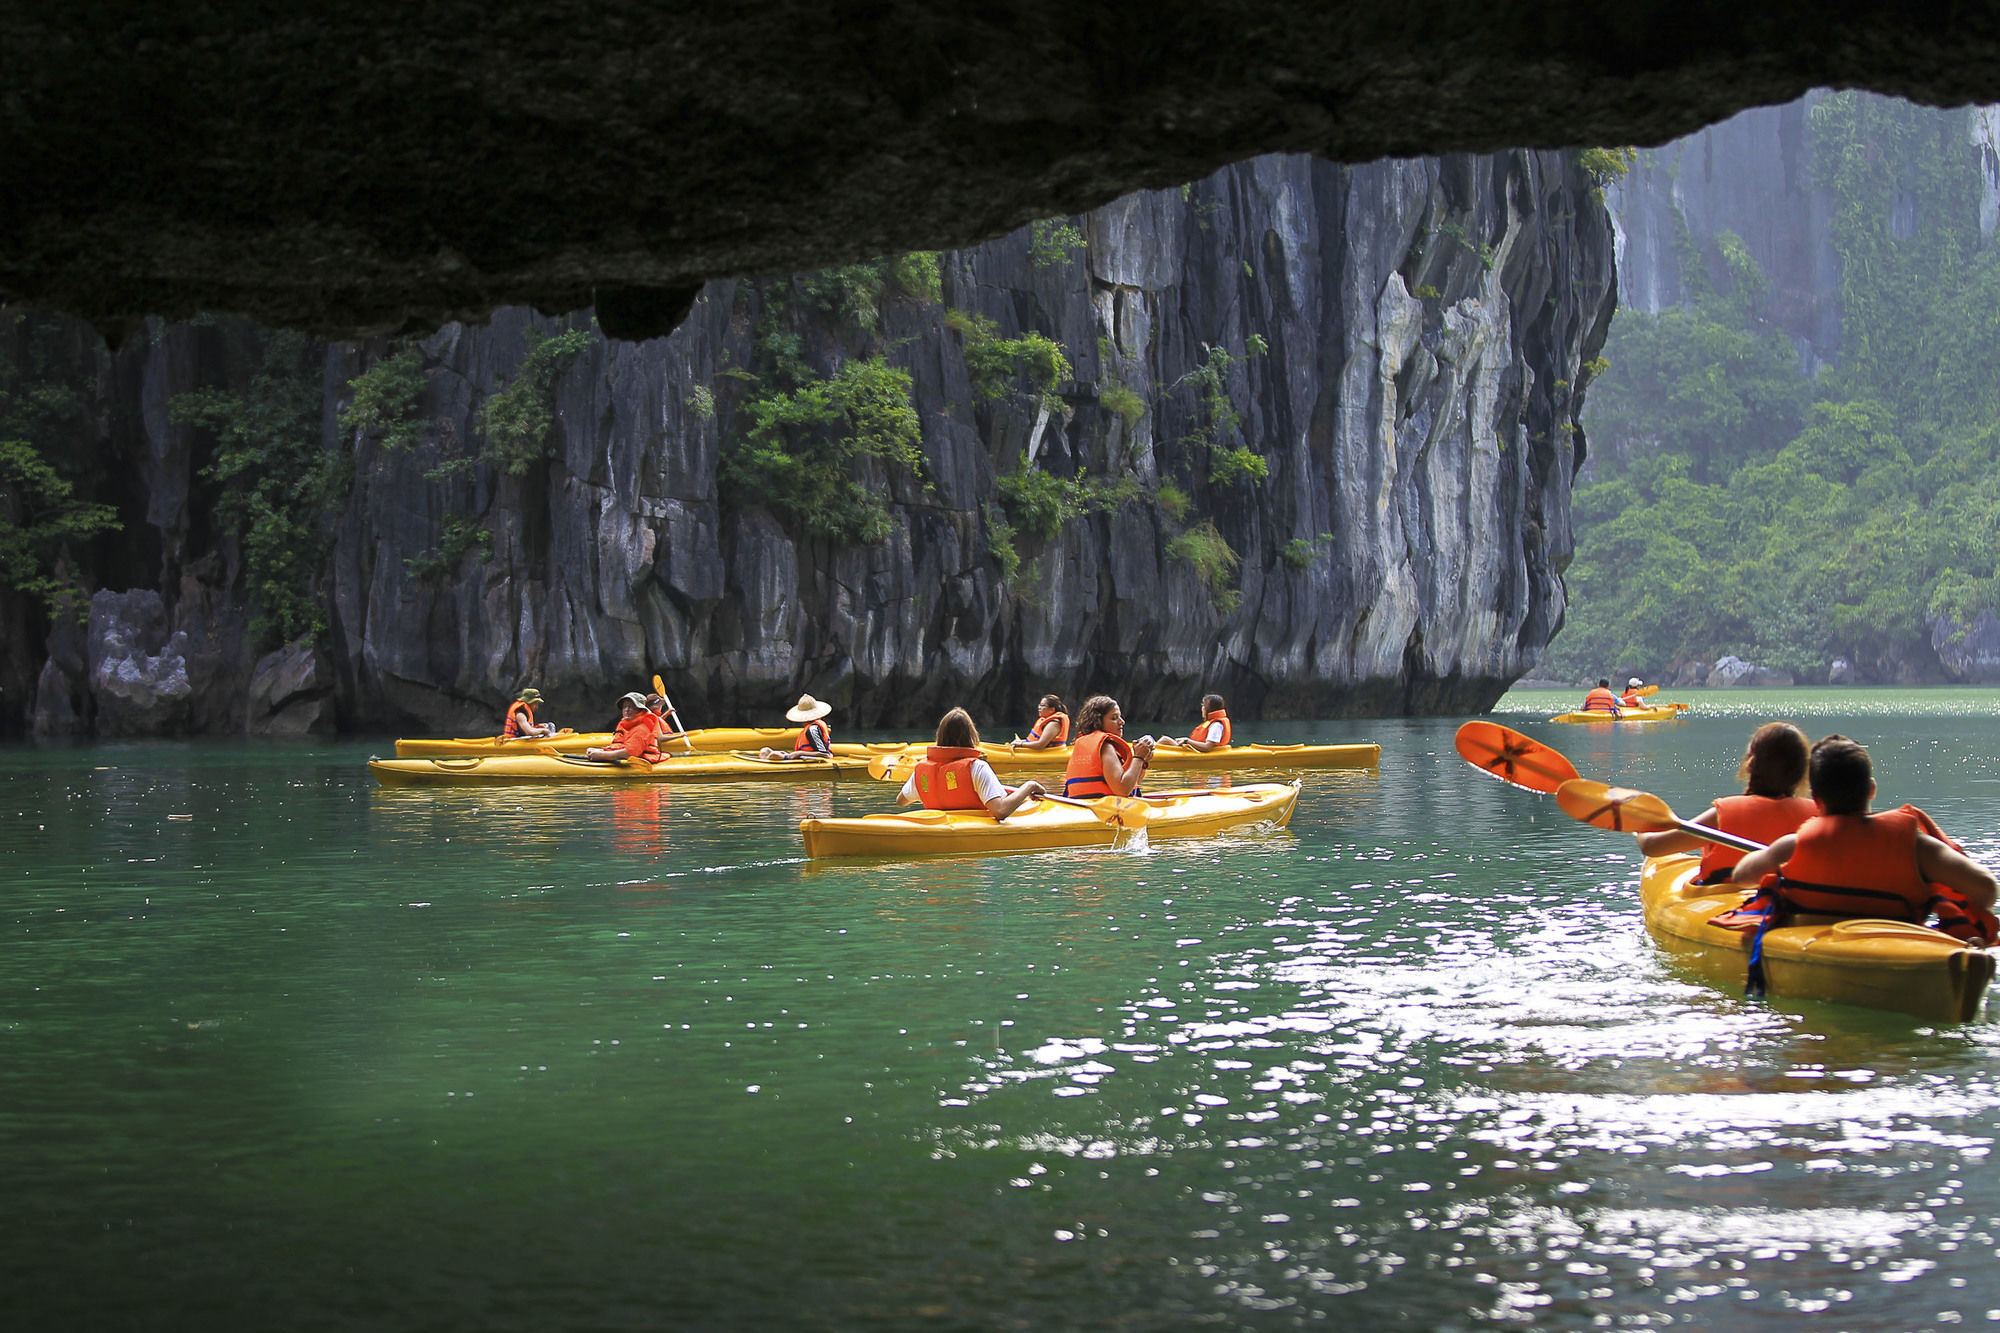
[371,168]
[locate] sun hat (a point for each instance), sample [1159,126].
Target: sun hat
[808,709]
[1634,681]
[636,699]
[531,695]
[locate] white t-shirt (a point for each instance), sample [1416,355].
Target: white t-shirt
[985,784]
[1207,731]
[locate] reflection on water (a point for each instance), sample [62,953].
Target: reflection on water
[538,1058]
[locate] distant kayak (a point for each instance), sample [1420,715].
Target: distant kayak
[1876,964]
[1661,713]
[706,740]
[1055,759]
[484,770]
[1043,825]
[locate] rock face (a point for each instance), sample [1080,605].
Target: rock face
[1399,344]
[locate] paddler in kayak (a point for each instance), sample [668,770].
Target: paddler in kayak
[1214,731]
[815,737]
[1773,803]
[1051,727]
[638,735]
[1601,699]
[953,776]
[520,722]
[1101,763]
[1631,698]
[1849,862]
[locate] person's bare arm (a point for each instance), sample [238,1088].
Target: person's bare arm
[1002,806]
[1941,863]
[1673,840]
[1756,865]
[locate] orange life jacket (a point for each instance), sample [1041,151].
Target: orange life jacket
[806,733]
[1858,865]
[1600,700]
[1630,701]
[640,736]
[1060,721]
[1762,819]
[1083,777]
[520,720]
[944,778]
[1223,717]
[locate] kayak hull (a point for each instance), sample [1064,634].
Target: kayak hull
[1870,963]
[1235,757]
[706,740]
[1045,825]
[1664,713]
[517,769]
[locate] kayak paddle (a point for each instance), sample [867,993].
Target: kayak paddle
[660,688]
[1623,810]
[553,753]
[1513,758]
[1118,811]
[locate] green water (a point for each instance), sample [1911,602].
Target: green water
[286,1049]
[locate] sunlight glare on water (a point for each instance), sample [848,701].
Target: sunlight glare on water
[280,1039]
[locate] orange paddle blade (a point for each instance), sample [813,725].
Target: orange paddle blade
[1619,809]
[1512,757]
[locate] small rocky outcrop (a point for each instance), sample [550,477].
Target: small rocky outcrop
[138,670]
[1969,650]
[291,694]
[1730,671]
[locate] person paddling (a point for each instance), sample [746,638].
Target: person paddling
[953,776]
[1214,731]
[1051,728]
[1101,763]
[1849,862]
[1773,803]
[520,721]
[637,736]
[1632,698]
[815,739]
[1601,699]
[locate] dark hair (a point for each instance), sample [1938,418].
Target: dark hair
[1210,702]
[1841,776]
[957,730]
[1052,702]
[1090,717]
[1604,682]
[1774,762]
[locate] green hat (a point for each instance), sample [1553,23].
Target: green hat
[531,695]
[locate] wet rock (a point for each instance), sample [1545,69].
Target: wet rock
[138,673]
[290,694]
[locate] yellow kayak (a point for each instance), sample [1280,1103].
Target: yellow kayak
[1873,963]
[1056,758]
[1042,825]
[1662,713]
[706,740]
[485,770]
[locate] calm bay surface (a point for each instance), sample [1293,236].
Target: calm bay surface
[287,1049]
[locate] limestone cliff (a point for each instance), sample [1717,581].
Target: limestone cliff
[1398,345]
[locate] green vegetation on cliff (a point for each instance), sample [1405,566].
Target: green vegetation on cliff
[1733,506]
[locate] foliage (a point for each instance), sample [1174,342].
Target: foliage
[1606,166]
[39,514]
[1000,542]
[517,420]
[1226,467]
[996,365]
[1300,552]
[1043,504]
[459,537]
[278,488]
[1733,506]
[383,400]
[1203,547]
[852,291]
[1216,417]
[701,402]
[800,447]
[1052,240]
[1173,501]
[1123,400]
[919,276]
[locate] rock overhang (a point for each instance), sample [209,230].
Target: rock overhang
[382,168]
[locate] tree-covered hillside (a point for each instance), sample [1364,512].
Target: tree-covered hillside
[1732,505]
